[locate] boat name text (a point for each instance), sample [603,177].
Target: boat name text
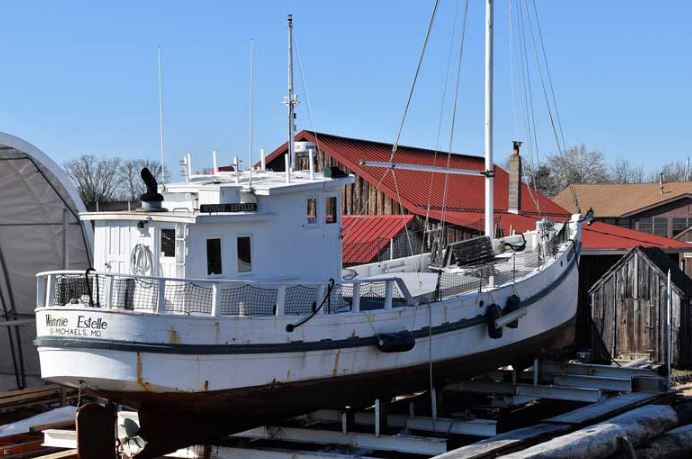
[85,326]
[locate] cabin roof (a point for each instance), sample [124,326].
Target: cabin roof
[621,199]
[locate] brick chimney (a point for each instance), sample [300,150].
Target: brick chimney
[514,200]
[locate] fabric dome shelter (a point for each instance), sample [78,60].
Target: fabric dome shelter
[39,231]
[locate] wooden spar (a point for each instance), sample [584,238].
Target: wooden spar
[602,440]
[421,167]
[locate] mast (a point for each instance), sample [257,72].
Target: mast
[489,171]
[163,170]
[291,99]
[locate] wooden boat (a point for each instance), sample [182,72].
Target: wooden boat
[221,305]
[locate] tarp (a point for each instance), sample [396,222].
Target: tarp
[39,231]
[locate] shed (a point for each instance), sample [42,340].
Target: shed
[371,238]
[629,305]
[39,231]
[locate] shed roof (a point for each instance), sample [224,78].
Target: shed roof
[678,279]
[365,236]
[601,236]
[621,199]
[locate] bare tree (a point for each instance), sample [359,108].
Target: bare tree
[577,165]
[131,186]
[622,171]
[96,179]
[674,171]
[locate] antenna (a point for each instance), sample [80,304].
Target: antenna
[163,168]
[250,106]
[489,171]
[291,100]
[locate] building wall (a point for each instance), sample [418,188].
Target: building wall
[666,220]
[628,308]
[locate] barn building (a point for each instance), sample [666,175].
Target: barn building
[629,308]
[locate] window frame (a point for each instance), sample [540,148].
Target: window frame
[161,239]
[316,222]
[327,198]
[206,243]
[237,252]
[658,220]
[650,222]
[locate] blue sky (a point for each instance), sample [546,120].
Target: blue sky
[81,77]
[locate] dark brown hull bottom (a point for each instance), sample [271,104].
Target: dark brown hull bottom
[170,421]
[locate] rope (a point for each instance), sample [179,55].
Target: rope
[415,78]
[307,96]
[327,299]
[454,116]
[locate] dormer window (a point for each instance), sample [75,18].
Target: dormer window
[312,210]
[330,210]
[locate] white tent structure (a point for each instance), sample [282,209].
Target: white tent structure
[39,231]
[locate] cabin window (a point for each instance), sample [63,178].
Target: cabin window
[214,256]
[312,210]
[661,226]
[330,211]
[167,242]
[645,225]
[679,225]
[244,254]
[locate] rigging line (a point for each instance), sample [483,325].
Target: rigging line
[515,102]
[454,113]
[307,96]
[415,78]
[442,108]
[547,68]
[528,96]
[542,79]
[367,199]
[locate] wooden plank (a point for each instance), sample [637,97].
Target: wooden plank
[604,408]
[52,425]
[12,393]
[68,454]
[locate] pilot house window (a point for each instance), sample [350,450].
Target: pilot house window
[213,256]
[167,242]
[312,210]
[330,210]
[244,254]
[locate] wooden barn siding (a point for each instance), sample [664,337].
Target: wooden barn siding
[629,310]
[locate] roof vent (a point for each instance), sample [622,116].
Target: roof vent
[152,199]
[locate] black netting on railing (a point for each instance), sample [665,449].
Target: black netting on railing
[372,295]
[78,288]
[340,299]
[300,300]
[187,297]
[247,300]
[134,294]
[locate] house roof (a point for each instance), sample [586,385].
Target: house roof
[621,199]
[365,236]
[464,200]
[678,279]
[601,237]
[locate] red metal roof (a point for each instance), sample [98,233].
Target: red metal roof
[602,236]
[464,202]
[365,236]
[465,193]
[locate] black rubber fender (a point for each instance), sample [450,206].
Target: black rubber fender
[395,342]
[513,303]
[492,313]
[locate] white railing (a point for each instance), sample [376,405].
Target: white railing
[217,297]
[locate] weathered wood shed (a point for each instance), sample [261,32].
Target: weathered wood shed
[629,305]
